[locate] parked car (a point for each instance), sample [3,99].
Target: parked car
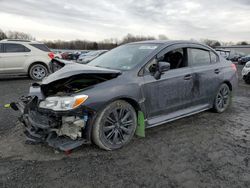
[57,55]
[246,73]
[24,57]
[243,60]
[70,55]
[87,57]
[64,55]
[149,83]
[235,57]
[73,56]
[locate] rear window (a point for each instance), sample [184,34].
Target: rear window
[42,47]
[197,57]
[15,48]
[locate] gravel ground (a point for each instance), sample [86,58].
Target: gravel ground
[205,150]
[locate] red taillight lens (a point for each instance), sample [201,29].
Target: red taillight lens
[51,55]
[234,67]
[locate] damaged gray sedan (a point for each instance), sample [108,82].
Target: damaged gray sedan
[144,83]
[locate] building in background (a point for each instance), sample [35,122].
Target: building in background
[236,49]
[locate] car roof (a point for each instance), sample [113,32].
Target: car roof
[168,42]
[171,42]
[19,41]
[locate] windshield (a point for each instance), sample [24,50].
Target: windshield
[124,57]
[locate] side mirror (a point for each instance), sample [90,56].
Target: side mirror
[162,67]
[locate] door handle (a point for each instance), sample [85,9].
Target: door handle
[217,71]
[26,55]
[188,77]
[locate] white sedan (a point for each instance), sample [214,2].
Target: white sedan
[246,73]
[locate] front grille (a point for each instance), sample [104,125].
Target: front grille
[42,121]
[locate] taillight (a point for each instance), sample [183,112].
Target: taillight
[51,55]
[234,67]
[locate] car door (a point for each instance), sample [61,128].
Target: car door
[14,57]
[172,92]
[205,74]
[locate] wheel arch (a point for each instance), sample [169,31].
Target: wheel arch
[228,84]
[132,102]
[127,99]
[38,62]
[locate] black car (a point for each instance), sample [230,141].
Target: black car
[244,60]
[235,57]
[132,87]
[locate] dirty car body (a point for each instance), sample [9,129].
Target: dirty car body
[165,80]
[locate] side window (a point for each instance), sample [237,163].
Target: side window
[42,47]
[176,58]
[1,48]
[151,66]
[15,48]
[197,57]
[214,57]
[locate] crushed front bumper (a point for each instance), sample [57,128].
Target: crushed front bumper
[61,130]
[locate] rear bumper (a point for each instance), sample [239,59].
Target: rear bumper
[64,131]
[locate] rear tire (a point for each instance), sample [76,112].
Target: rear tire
[38,71]
[223,99]
[114,126]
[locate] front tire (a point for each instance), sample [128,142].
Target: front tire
[115,125]
[38,71]
[223,99]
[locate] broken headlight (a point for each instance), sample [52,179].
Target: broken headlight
[63,103]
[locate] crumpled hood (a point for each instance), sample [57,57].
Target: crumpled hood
[72,69]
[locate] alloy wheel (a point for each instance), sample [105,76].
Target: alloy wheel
[118,126]
[223,98]
[39,72]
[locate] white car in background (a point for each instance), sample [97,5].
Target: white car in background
[246,73]
[24,57]
[87,57]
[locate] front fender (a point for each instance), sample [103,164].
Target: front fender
[101,95]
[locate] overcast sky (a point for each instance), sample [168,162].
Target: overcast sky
[224,20]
